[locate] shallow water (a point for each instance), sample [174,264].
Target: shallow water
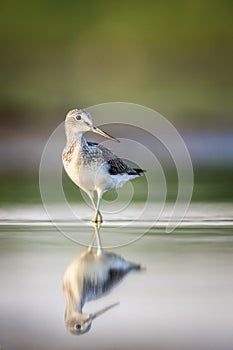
[182,299]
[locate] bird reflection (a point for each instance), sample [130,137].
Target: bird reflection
[89,277]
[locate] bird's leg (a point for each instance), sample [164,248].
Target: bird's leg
[97,236]
[91,244]
[91,195]
[98,217]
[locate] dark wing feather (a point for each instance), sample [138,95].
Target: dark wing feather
[92,143]
[97,286]
[116,165]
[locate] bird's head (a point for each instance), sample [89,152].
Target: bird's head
[79,323]
[80,121]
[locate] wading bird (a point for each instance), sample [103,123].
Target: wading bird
[89,277]
[91,166]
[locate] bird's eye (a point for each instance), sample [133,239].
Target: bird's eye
[78,326]
[78,117]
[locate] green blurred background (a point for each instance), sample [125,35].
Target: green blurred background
[173,56]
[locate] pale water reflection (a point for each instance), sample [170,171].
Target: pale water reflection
[90,276]
[184,299]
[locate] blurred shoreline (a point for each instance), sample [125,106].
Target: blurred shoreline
[173,58]
[23,152]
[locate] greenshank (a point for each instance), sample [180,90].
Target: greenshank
[89,277]
[91,166]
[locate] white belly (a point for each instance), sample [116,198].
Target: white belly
[89,179]
[94,176]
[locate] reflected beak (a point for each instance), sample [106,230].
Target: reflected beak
[100,312]
[104,134]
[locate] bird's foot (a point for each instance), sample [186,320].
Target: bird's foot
[97,219]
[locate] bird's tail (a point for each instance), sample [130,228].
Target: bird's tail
[139,171]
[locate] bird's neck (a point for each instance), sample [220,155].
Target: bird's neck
[74,137]
[73,305]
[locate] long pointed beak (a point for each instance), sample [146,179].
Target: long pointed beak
[104,134]
[100,312]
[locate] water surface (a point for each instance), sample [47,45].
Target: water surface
[183,299]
